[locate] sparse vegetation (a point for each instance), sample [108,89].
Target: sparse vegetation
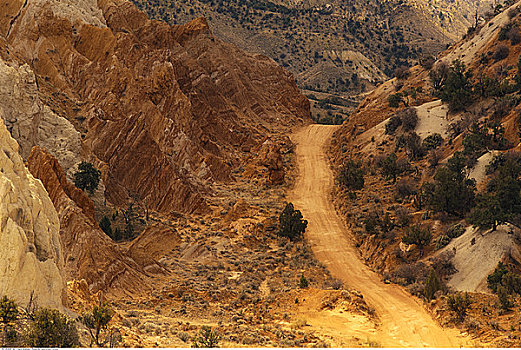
[97,323]
[459,303]
[351,175]
[52,329]
[207,338]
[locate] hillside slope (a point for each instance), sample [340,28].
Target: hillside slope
[331,46]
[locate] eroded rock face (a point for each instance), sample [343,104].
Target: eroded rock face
[167,109]
[89,253]
[30,121]
[32,259]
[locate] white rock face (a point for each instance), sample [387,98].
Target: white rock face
[33,123]
[30,249]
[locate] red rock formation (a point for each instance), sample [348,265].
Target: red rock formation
[167,108]
[89,254]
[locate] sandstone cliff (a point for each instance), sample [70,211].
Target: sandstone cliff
[32,258]
[30,121]
[164,110]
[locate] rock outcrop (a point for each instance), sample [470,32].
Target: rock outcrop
[32,258]
[166,109]
[89,253]
[30,121]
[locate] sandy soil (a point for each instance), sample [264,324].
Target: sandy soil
[404,321]
[432,118]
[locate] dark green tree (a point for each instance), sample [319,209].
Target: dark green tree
[487,213]
[52,329]
[395,100]
[105,225]
[505,303]
[8,314]
[495,278]
[451,191]
[87,177]
[432,285]
[291,223]
[432,141]
[457,89]
[303,282]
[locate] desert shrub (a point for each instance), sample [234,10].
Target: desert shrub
[303,282]
[443,265]
[504,301]
[351,175]
[403,216]
[206,338]
[410,273]
[87,177]
[455,231]
[432,141]
[8,310]
[459,303]
[405,188]
[501,52]
[442,241]
[434,157]
[392,125]
[401,72]
[427,62]
[495,278]
[514,36]
[291,223]
[438,75]
[409,118]
[418,235]
[414,146]
[52,329]
[97,324]
[394,100]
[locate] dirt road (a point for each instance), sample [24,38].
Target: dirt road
[404,321]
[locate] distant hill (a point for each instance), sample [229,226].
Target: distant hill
[330,45]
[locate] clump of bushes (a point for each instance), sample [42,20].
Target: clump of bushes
[291,223]
[351,175]
[432,142]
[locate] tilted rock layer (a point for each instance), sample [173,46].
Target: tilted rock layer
[165,109]
[32,259]
[89,253]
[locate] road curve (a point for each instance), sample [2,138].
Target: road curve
[403,320]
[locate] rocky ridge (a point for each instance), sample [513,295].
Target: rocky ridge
[32,255]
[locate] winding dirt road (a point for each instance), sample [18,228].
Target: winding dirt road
[403,320]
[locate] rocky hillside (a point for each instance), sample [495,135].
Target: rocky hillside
[162,110]
[428,175]
[331,46]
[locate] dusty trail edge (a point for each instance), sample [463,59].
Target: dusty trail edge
[403,320]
